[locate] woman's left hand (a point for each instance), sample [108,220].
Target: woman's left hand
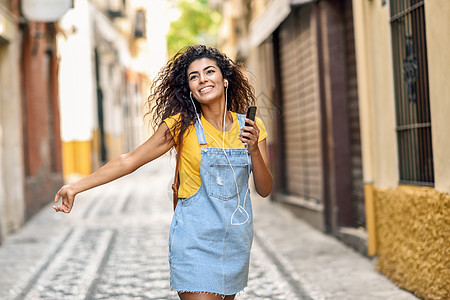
[250,135]
[260,165]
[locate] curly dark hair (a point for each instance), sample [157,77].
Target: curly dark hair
[169,93]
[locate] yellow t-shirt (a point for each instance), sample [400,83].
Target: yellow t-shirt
[190,154]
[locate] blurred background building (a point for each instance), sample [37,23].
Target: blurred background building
[12,98]
[30,145]
[402,69]
[106,61]
[302,57]
[355,99]
[72,93]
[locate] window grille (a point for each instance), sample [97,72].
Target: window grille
[411,92]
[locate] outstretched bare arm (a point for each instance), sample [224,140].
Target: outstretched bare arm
[122,165]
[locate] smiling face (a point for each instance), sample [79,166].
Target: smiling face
[206,81]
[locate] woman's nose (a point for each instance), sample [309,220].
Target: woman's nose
[202,78]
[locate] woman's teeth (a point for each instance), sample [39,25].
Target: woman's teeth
[206,89]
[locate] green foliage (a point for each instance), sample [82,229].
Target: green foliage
[196,25]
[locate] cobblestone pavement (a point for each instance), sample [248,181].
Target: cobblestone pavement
[114,245]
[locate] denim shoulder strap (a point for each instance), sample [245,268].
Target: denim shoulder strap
[241,119]
[200,133]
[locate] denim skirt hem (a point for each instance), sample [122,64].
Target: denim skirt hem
[205,291]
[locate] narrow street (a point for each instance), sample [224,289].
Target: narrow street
[353,97]
[114,245]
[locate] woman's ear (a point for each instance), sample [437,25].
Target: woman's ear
[225,83]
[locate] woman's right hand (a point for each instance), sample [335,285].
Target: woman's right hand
[67,195]
[154,147]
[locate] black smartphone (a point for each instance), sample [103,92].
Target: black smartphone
[251,114]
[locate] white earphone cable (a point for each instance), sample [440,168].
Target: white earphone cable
[238,207]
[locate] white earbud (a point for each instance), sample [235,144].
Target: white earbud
[226,83]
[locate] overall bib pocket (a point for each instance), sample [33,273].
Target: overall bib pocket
[222,184]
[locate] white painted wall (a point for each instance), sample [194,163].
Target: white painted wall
[153,53]
[76,77]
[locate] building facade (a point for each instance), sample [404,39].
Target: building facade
[402,70]
[31,169]
[303,57]
[104,49]
[72,95]
[40,115]
[12,181]
[353,94]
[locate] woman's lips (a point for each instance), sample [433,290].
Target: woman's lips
[206,89]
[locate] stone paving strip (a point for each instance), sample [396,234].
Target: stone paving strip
[25,259]
[74,268]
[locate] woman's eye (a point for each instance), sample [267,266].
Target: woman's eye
[193,77]
[210,72]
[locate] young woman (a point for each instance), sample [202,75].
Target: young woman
[198,103]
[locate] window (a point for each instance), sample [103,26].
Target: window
[139,24]
[411,92]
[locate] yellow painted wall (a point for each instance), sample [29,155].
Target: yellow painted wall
[76,158]
[437,17]
[412,226]
[79,156]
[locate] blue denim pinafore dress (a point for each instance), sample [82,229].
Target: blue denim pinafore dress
[212,231]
